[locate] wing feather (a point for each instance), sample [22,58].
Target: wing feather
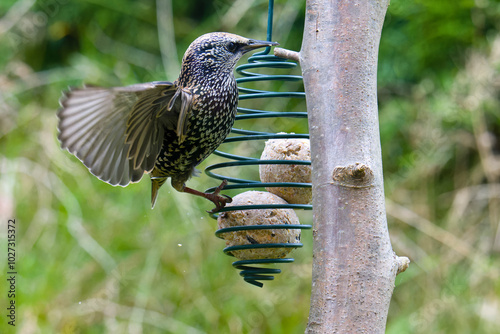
[116,132]
[185,109]
[153,108]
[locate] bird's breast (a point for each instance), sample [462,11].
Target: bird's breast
[213,115]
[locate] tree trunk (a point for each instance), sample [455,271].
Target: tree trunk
[354,266]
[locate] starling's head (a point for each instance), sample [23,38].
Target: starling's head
[218,51]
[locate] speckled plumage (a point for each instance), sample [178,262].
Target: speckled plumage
[163,128]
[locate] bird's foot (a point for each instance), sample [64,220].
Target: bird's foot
[220,201]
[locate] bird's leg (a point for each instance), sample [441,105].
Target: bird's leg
[220,201]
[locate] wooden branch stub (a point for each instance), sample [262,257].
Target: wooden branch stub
[287,54]
[403,263]
[357,175]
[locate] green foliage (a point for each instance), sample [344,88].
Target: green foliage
[94,259]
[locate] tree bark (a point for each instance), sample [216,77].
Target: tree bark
[354,266]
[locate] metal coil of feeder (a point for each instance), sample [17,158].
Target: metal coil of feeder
[254,275]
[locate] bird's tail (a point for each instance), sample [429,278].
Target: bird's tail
[156,183]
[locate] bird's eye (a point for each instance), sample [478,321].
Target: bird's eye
[232,47]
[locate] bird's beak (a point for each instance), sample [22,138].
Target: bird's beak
[255,44]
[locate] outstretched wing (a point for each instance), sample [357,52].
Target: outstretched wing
[118,132]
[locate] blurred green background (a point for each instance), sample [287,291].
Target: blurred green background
[93,258]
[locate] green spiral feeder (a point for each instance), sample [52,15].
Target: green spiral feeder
[251,274]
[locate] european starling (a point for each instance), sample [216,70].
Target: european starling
[163,128]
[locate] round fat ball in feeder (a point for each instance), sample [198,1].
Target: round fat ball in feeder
[287,149]
[259,217]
